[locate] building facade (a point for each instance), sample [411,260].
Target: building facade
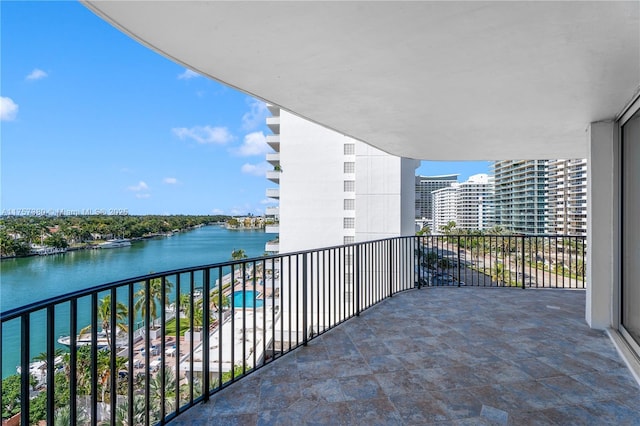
[567,197]
[333,189]
[469,204]
[521,195]
[425,185]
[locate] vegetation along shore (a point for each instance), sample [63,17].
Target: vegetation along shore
[27,235]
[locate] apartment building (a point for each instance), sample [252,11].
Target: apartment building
[469,204]
[333,189]
[425,185]
[521,195]
[567,197]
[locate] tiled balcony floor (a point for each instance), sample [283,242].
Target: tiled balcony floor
[469,356]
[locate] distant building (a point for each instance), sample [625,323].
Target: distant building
[469,204]
[333,189]
[567,197]
[521,195]
[425,185]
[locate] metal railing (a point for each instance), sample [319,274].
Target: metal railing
[145,349]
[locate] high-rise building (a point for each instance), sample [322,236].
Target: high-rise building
[469,204]
[567,197]
[425,185]
[333,189]
[521,195]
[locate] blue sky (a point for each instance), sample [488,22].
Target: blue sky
[92,120]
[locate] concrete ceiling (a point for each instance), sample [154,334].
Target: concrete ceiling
[427,80]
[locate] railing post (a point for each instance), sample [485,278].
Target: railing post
[523,264]
[304,300]
[458,260]
[417,238]
[356,276]
[206,293]
[390,268]
[25,330]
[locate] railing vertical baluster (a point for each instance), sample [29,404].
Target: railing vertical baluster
[130,343]
[264,312]
[192,307]
[289,306]
[147,349]
[244,317]
[304,299]
[25,331]
[50,363]
[206,323]
[255,297]
[163,348]
[458,259]
[94,359]
[523,263]
[176,353]
[356,278]
[73,353]
[232,308]
[220,321]
[390,266]
[113,376]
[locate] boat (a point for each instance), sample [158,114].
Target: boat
[115,243]
[85,340]
[45,251]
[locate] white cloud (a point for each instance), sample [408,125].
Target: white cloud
[204,134]
[255,116]
[143,195]
[36,74]
[188,75]
[254,144]
[8,109]
[217,211]
[259,169]
[170,180]
[141,186]
[268,201]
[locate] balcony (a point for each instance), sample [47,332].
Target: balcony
[476,329]
[272,229]
[274,176]
[272,246]
[273,158]
[272,211]
[274,142]
[273,193]
[274,124]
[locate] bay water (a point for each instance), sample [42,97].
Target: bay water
[32,279]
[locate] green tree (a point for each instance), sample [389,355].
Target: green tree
[238,254]
[155,298]
[498,272]
[104,316]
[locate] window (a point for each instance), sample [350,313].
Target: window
[349,222]
[349,239]
[349,149]
[349,167]
[349,186]
[349,204]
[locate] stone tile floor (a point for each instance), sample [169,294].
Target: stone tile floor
[459,356]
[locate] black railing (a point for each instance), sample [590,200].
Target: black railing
[144,350]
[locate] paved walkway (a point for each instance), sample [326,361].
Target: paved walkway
[459,356]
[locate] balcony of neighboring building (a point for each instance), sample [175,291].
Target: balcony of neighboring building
[272,229]
[272,246]
[272,211]
[274,110]
[273,158]
[274,142]
[274,124]
[273,193]
[274,176]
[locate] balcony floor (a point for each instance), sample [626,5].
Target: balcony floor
[469,356]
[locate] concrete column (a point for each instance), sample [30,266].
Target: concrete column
[603,225]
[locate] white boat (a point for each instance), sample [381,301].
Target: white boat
[45,251]
[115,243]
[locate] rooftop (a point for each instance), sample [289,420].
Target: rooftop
[452,355]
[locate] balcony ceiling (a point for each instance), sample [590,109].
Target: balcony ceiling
[427,80]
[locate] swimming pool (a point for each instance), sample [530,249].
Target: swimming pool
[245,299]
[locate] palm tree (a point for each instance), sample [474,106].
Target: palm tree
[155,296]
[104,316]
[497,273]
[238,254]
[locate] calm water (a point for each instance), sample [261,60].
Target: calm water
[27,280]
